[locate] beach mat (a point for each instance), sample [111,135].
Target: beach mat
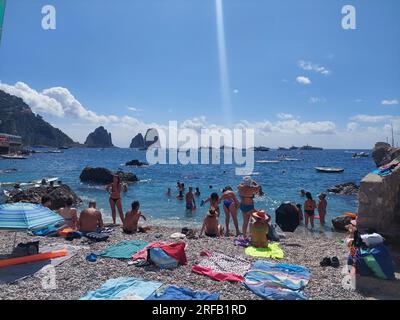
[277,281]
[19,272]
[272,251]
[176,293]
[124,249]
[123,288]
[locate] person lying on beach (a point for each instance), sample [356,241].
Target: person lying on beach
[211,226]
[114,188]
[69,214]
[190,203]
[46,202]
[90,219]
[248,189]
[309,210]
[230,205]
[131,221]
[322,204]
[259,229]
[214,202]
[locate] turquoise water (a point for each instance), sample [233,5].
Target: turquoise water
[281,181]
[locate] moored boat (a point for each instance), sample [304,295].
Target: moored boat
[13,157]
[329,169]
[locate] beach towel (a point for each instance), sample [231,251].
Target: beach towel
[277,281]
[123,288]
[272,251]
[19,272]
[176,250]
[221,267]
[176,293]
[241,242]
[161,259]
[124,249]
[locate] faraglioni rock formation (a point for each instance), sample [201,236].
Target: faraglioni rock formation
[57,194]
[105,176]
[136,163]
[99,138]
[137,141]
[384,153]
[17,118]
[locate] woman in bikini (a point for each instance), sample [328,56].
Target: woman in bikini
[230,204]
[114,189]
[248,189]
[309,210]
[69,214]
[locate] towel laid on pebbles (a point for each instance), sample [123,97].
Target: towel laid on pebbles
[272,251]
[124,249]
[221,267]
[123,288]
[277,281]
[176,293]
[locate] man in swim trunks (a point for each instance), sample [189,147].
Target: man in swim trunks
[230,204]
[90,219]
[132,217]
[190,203]
[114,189]
[247,190]
[322,204]
[69,214]
[211,226]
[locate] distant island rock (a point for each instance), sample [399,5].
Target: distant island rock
[99,138]
[383,153]
[137,141]
[136,163]
[105,176]
[18,119]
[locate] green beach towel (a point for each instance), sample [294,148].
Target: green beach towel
[2,10]
[272,251]
[124,249]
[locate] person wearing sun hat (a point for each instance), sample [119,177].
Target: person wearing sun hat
[259,229]
[248,189]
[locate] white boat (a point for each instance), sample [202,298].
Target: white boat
[291,159]
[267,161]
[13,157]
[361,155]
[329,169]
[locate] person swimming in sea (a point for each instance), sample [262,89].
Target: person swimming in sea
[197,192]
[211,226]
[131,221]
[190,202]
[230,205]
[168,193]
[114,188]
[248,189]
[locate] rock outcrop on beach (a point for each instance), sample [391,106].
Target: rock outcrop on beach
[105,176]
[383,153]
[136,163]
[57,194]
[99,138]
[349,188]
[18,119]
[137,142]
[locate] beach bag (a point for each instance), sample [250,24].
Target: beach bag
[287,217]
[161,259]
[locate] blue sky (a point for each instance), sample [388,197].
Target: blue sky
[161,58]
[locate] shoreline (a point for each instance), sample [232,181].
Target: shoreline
[76,276]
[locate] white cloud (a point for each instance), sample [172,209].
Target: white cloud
[197,123]
[285,116]
[235,91]
[372,119]
[352,126]
[390,102]
[309,66]
[303,80]
[315,100]
[133,109]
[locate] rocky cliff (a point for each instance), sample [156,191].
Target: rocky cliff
[384,153]
[137,141]
[100,138]
[17,118]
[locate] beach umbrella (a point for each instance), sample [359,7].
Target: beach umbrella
[27,216]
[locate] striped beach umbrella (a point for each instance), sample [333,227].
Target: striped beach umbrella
[27,216]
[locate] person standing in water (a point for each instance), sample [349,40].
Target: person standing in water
[248,189]
[309,210]
[214,202]
[322,204]
[190,203]
[114,188]
[69,214]
[230,204]
[197,192]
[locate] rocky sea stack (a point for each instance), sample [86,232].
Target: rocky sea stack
[105,176]
[99,138]
[137,142]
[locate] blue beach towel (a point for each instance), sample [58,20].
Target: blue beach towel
[120,288]
[277,281]
[124,249]
[175,293]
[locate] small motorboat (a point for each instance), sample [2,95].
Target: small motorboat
[267,161]
[13,157]
[329,169]
[291,159]
[361,155]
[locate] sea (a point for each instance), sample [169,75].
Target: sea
[281,181]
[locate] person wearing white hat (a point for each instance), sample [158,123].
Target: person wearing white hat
[247,190]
